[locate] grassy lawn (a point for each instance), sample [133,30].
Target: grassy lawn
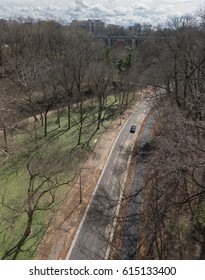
[57,155]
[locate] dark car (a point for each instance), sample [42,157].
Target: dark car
[133,129]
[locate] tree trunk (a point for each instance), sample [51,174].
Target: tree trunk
[68,115]
[81,122]
[100,109]
[25,235]
[45,124]
[17,248]
[5,139]
[58,117]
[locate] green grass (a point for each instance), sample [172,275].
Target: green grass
[58,152]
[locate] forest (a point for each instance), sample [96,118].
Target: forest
[60,88]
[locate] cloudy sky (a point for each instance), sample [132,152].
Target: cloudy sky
[122,12]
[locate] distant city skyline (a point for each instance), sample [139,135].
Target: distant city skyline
[120,12]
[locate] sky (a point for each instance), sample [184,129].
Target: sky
[120,12]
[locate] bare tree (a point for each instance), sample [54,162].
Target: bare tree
[101,78]
[41,195]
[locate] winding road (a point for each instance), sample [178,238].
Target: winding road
[94,235]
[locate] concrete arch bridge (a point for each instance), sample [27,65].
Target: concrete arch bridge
[130,41]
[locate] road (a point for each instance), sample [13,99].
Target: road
[129,240]
[96,229]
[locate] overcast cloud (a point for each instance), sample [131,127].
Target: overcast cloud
[122,12]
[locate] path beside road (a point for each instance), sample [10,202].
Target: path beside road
[94,234]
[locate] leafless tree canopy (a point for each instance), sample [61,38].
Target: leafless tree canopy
[46,66]
[173,220]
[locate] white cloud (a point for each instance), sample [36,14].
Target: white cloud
[99,8]
[165,9]
[81,3]
[141,6]
[178,1]
[113,11]
[121,11]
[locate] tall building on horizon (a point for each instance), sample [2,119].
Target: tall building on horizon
[90,25]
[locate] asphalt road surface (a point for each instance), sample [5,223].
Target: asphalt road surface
[96,229]
[129,240]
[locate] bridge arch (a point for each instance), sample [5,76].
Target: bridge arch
[119,44]
[130,41]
